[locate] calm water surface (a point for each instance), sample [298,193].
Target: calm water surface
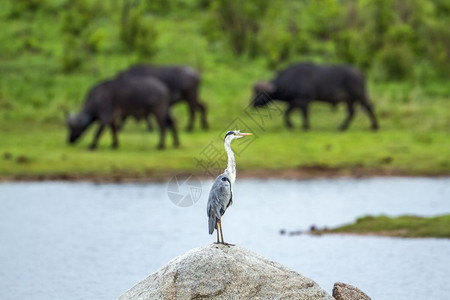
[94,241]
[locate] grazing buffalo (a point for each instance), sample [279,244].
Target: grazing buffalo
[183,83]
[114,100]
[303,83]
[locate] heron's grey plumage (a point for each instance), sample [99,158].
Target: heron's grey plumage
[220,197]
[221,194]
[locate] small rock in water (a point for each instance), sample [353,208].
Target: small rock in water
[296,232]
[343,291]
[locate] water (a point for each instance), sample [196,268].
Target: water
[94,241]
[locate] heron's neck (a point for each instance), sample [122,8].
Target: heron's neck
[231,167]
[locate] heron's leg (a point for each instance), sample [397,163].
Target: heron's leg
[217,231]
[220,226]
[221,234]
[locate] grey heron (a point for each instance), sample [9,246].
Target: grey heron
[221,194]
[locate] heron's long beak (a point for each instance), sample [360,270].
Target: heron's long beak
[244,134]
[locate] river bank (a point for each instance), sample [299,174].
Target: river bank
[402,226]
[301,173]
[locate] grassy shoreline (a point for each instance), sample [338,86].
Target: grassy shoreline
[39,151]
[306,173]
[402,226]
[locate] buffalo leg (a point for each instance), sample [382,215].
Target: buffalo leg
[369,110]
[305,115]
[334,106]
[97,136]
[350,114]
[121,123]
[149,124]
[173,128]
[115,143]
[202,108]
[190,126]
[160,119]
[287,115]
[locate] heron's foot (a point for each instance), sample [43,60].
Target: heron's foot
[225,244]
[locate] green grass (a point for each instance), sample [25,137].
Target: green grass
[414,137]
[47,153]
[403,226]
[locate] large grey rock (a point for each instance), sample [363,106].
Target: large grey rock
[221,272]
[343,291]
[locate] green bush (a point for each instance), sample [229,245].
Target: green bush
[146,39]
[78,15]
[164,7]
[72,57]
[79,36]
[395,61]
[277,48]
[239,23]
[396,39]
[94,40]
[20,7]
[136,31]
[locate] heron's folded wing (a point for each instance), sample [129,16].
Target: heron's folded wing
[219,197]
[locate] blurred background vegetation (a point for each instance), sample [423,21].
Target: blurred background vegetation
[53,51]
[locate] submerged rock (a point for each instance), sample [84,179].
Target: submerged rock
[222,272]
[343,291]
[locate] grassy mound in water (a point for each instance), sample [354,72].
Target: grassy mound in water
[403,226]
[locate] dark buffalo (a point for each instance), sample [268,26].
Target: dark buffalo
[116,99]
[303,83]
[183,83]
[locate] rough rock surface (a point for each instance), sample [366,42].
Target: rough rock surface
[221,272]
[343,291]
